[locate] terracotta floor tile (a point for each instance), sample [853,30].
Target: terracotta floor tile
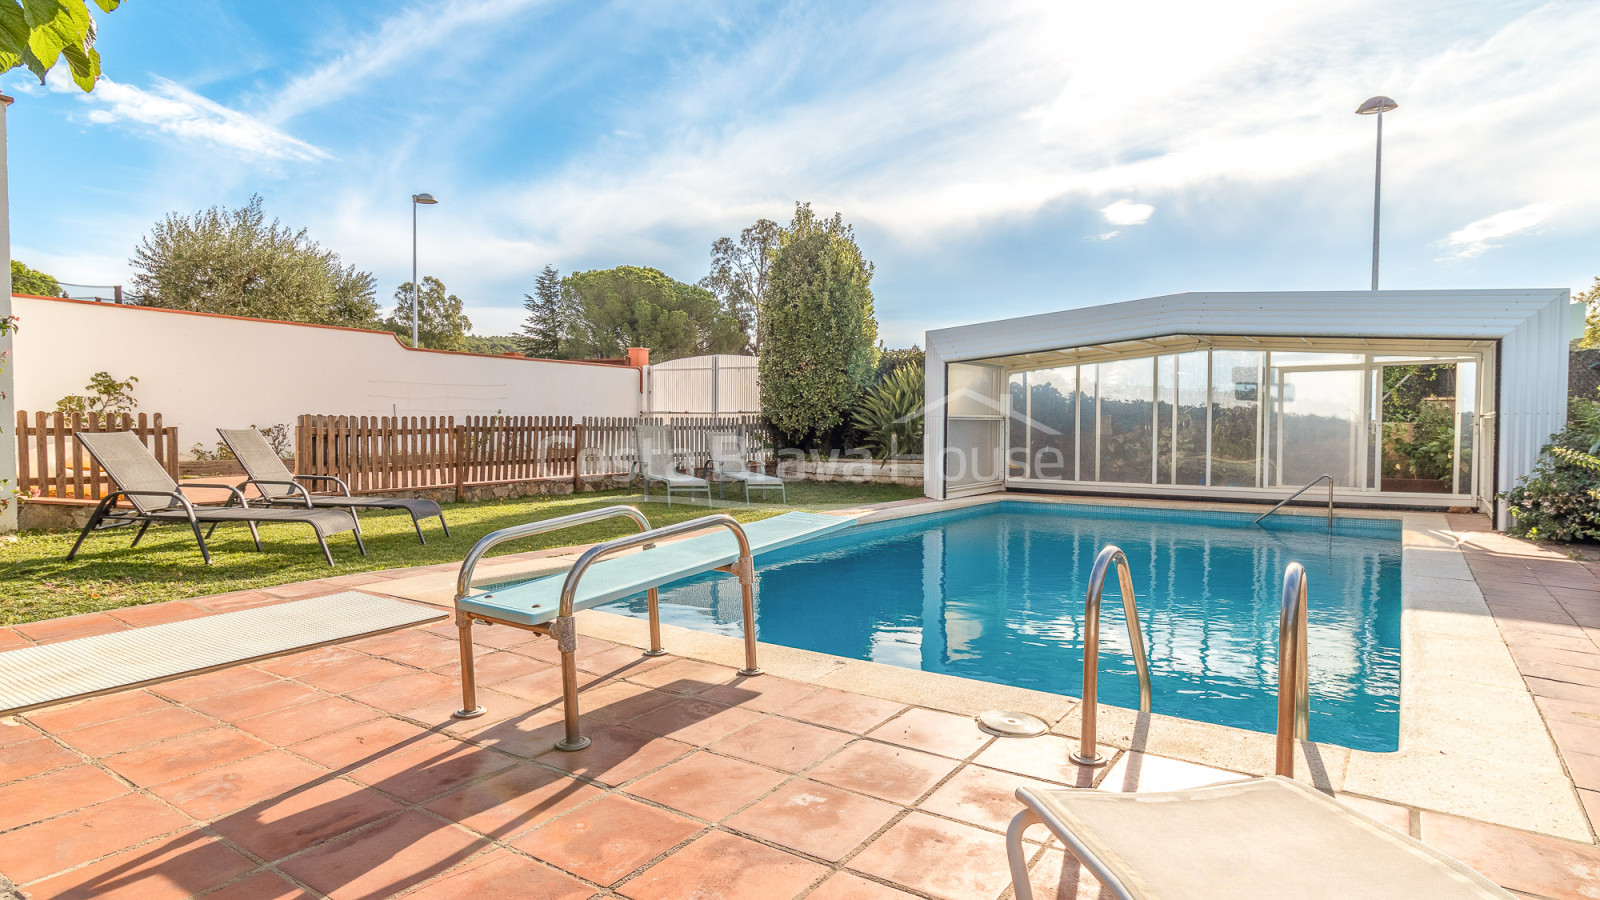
[376,862]
[57,719]
[1058,876]
[15,730]
[157,613]
[43,796]
[235,600]
[499,637]
[10,639]
[255,701]
[302,723]
[177,867]
[1396,817]
[440,713]
[362,672]
[685,676]
[87,834]
[617,754]
[297,819]
[261,886]
[133,732]
[782,744]
[184,755]
[542,686]
[545,650]
[406,692]
[607,839]
[493,668]
[24,759]
[307,661]
[945,734]
[706,785]
[48,631]
[301,589]
[845,886]
[1045,757]
[515,800]
[1534,864]
[235,785]
[425,653]
[223,681]
[620,662]
[695,721]
[614,702]
[839,709]
[503,875]
[395,641]
[1591,805]
[431,770]
[984,797]
[724,867]
[945,859]
[365,743]
[526,734]
[885,771]
[762,693]
[815,819]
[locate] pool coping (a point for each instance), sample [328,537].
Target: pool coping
[1472,741]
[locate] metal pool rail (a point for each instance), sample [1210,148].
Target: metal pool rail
[1087,754]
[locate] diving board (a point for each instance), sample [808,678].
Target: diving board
[537,602]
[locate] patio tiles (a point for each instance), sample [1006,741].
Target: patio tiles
[235,601]
[380,860]
[10,639]
[364,671]
[815,819]
[845,711]
[157,613]
[981,796]
[606,840]
[423,773]
[618,662]
[365,742]
[406,692]
[721,866]
[515,801]
[426,654]
[615,702]
[48,631]
[1396,817]
[256,701]
[1517,860]
[684,676]
[184,755]
[1046,757]
[176,867]
[897,774]
[296,819]
[307,661]
[493,668]
[210,684]
[233,786]
[1058,877]
[946,859]
[45,848]
[946,734]
[845,886]
[541,685]
[503,875]
[25,758]
[1140,773]
[43,796]
[762,693]
[707,786]
[617,755]
[695,721]
[782,744]
[302,723]
[133,732]
[261,886]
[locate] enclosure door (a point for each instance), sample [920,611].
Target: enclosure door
[1423,429]
[1319,425]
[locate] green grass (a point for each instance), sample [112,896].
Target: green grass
[38,583]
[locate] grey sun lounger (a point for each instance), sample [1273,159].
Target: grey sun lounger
[1268,837]
[658,463]
[728,463]
[282,488]
[154,498]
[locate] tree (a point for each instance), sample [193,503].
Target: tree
[817,329]
[38,35]
[1591,324]
[441,323]
[544,332]
[232,261]
[740,271]
[32,281]
[631,306]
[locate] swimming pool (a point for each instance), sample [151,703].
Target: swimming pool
[996,593]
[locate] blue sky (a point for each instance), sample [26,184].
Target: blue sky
[995,159]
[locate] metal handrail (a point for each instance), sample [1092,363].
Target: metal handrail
[1088,754]
[469,680]
[1285,501]
[1294,683]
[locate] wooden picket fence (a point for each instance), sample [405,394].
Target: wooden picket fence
[395,453]
[50,464]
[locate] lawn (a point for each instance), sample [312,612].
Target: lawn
[38,583]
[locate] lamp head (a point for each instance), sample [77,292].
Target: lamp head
[1376,105]
[428,200]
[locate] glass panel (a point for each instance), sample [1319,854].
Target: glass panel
[1282,359]
[1017,428]
[972,453]
[1189,446]
[1235,416]
[1319,424]
[1088,423]
[974,391]
[1466,421]
[1054,398]
[1419,428]
[1166,400]
[1127,439]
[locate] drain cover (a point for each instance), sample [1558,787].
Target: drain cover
[1010,724]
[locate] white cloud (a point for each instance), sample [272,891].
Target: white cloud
[176,110]
[1104,235]
[1126,212]
[1481,235]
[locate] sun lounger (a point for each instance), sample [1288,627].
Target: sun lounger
[1269,837]
[658,463]
[728,463]
[154,497]
[280,487]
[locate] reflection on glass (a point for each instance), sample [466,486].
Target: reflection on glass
[1017,428]
[1127,434]
[1189,421]
[1054,403]
[1319,424]
[1419,428]
[974,390]
[1166,402]
[972,452]
[1235,416]
[1089,423]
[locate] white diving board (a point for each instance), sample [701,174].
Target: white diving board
[538,601]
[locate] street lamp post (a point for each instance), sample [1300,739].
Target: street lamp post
[423,200]
[1376,106]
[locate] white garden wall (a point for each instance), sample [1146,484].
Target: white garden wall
[205,371]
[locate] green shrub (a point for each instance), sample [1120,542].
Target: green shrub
[889,418]
[1557,501]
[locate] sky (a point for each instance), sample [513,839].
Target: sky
[995,159]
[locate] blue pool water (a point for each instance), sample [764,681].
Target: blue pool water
[996,593]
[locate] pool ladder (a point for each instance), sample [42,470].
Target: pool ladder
[1294,699]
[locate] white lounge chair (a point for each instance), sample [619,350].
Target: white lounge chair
[658,463]
[729,455]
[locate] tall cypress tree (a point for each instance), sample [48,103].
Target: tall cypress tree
[544,329]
